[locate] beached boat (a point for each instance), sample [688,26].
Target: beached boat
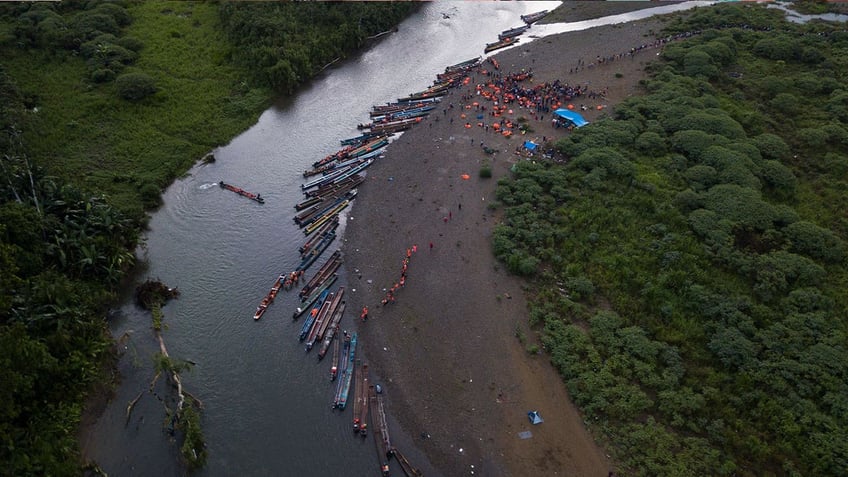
[326,271]
[334,368]
[320,307]
[338,174]
[454,77]
[308,202]
[325,314]
[352,172]
[500,44]
[534,17]
[404,114]
[347,376]
[336,187]
[360,403]
[513,32]
[336,308]
[390,108]
[380,439]
[316,252]
[329,168]
[327,216]
[381,429]
[336,156]
[394,126]
[339,361]
[312,214]
[242,192]
[269,298]
[423,95]
[405,465]
[463,65]
[358,140]
[329,226]
[307,302]
[326,178]
[332,331]
[379,142]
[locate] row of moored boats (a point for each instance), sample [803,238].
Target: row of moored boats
[329,187]
[510,37]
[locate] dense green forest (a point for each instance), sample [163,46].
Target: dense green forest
[690,255]
[102,105]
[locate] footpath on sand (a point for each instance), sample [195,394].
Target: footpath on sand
[458,381]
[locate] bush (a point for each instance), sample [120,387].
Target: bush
[117,12]
[135,86]
[486,171]
[102,75]
[817,242]
[151,196]
[651,144]
[130,43]
[699,63]
[87,25]
[771,146]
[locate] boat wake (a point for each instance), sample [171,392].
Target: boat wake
[206,186]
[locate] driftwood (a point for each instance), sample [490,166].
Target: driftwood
[378,35]
[175,376]
[330,64]
[131,406]
[152,295]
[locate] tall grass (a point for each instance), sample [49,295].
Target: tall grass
[86,132]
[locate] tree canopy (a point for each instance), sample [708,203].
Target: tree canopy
[712,338]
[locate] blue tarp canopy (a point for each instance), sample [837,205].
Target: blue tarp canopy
[534,417]
[575,118]
[530,145]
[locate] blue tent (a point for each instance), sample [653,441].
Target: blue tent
[574,118]
[534,417]
[530,145]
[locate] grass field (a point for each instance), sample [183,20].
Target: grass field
[86,132]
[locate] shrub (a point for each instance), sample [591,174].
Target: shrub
[102,75]
[651,144]
[814,241]
[130,43]
[486,171]
[117,12]
[771,146]
[135,86]
[150,195]
[699,63]
[87,25]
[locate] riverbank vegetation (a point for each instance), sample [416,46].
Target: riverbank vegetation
[690,256]
[284,44]
[102,105]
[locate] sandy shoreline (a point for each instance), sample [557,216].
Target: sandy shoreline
[457,378]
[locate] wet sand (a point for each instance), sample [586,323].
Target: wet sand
[457,378]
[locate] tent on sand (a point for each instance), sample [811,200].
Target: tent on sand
[534,417]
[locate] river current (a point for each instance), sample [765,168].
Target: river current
[266,402]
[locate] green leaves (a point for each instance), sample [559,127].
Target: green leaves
[693,299]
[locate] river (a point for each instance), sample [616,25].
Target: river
[267,402]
